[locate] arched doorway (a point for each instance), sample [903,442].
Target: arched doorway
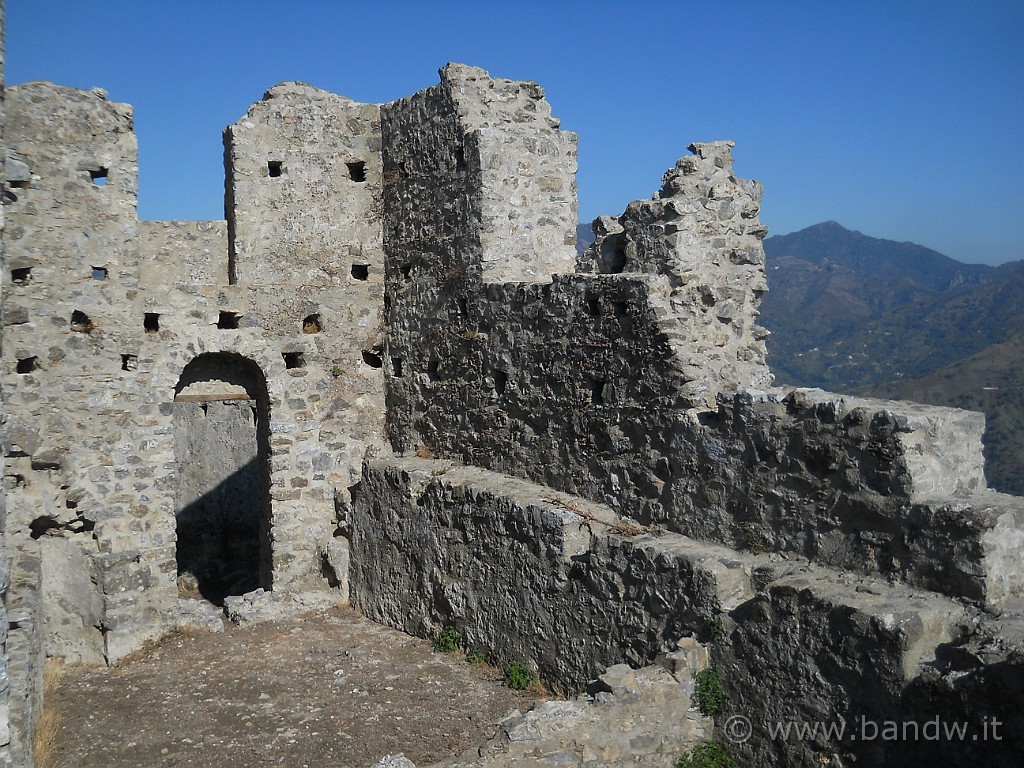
[222,457]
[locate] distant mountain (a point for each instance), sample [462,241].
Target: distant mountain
[852,313]
[847,310]
[991,381]
[584,237]
[907,264]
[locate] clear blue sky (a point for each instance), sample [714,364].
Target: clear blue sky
[901,119]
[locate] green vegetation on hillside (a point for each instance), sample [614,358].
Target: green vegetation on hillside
[851,313]
[991,381]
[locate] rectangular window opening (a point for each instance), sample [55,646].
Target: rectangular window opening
[361,271]
[396,366]
[98,177]
[151,322]
[228,320]
[129,362]
[311,324]
[293,360]
[372,359]
[274,168]
[80,322]
[597,392]
[99,273]
[21,276]
[28,364]
[357,171]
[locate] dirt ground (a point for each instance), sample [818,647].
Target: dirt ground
[327,690]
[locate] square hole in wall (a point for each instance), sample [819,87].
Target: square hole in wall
[80,322]
[311,323]
[361,271]
[228,320]
[293,360]
[151,322]
[99,273]
[27,364]
[357,171]
[129,362]
[21,276]
[274,168]
[372,359]
[99,177]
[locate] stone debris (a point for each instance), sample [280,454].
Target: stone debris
[259,606]
[394,761]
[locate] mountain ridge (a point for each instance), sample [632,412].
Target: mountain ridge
[852,313]
[846,309]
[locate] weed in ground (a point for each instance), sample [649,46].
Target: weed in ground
[518,677]
[709,754]
[448,641]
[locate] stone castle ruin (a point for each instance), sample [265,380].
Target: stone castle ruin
[388,377]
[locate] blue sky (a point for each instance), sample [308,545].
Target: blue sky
[900,119]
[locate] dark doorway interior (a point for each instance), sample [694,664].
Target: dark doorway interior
[222,504]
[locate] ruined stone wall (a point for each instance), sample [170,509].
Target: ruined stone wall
[640,383]
[628,478]
[5,685]
[702,232]
[565,586]
[5,677]
[528,574]
[630,386]
[304,169]
[106,312]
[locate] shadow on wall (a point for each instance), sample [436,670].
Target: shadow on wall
[219,541]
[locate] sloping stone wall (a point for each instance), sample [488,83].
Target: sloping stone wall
[567,587]
[528,574]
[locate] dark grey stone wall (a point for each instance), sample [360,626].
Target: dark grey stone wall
[633,385]
[563,584]
[527,574]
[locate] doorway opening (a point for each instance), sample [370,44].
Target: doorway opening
[222,457]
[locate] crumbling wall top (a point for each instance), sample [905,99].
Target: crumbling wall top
[523,170]
[304,181]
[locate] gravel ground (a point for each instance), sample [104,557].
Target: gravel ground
[325,690]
